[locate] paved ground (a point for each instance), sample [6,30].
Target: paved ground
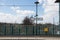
[29,38]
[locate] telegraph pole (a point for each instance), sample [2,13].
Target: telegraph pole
[36,14]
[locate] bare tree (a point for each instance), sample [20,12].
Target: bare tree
[27,21]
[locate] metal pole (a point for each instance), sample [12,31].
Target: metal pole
[26,30]
[36,19]
[12,28]
[53,25]
[57,1]
[59,15]
[5,28]
[36,14]
[33,30]
[19,30]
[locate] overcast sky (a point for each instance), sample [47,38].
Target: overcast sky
[18,9]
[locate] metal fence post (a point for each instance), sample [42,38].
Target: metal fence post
[5,29]
[19,30]
[12,30]
[39,30]
[26,30]
[33,30]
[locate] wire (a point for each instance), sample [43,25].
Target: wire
[17,5]
[28,5]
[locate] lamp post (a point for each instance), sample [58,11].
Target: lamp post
[36,14]
[58,1]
